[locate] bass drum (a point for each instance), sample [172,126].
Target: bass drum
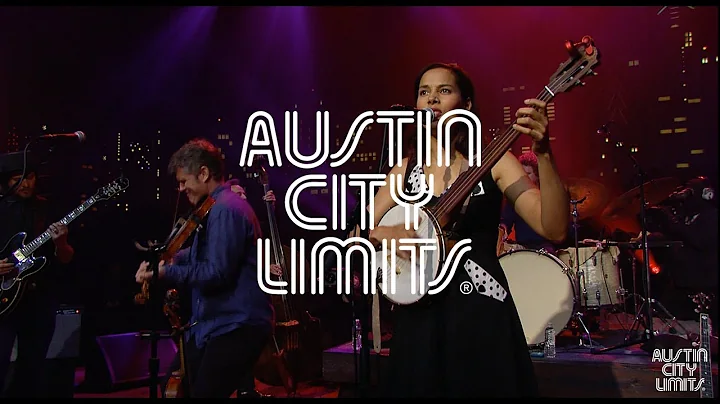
[543,289]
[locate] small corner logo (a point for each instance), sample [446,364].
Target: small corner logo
[680,369]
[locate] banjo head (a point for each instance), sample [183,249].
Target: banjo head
[411,279]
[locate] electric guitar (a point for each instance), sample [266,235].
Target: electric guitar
[12,285]
[583,57]
[706,390]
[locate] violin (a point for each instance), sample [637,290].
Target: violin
[175,384]
[182,230]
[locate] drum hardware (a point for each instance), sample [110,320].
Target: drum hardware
[670,321]
[648,302]
[578,317]
[579,274]
[600,272]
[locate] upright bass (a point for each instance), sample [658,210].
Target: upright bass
[285,360]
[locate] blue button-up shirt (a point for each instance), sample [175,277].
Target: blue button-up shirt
[220,270]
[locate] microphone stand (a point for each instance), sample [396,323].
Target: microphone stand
[581,281]
[649,334]
[154,335]
[361,311]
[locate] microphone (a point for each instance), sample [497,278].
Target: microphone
[79,136]
[400,107]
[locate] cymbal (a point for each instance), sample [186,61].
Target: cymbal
[595,195]
[628,204]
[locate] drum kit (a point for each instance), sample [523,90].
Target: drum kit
[574,283]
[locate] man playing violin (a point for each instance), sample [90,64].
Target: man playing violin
[232,317]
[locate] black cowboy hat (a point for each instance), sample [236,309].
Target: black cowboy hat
[11,163]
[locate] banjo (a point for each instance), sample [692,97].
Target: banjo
[415,280]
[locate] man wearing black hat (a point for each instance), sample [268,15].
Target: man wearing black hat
[32,321]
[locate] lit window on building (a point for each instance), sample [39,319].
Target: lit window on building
[664,98]
[681,130]
[704,61]
[633,150]
[682,165]
[551,111]
[688,39]
[506,116]
[697,151]
[680,119]
[632,63]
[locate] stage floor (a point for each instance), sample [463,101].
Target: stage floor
[575,372]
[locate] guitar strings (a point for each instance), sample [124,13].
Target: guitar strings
[496,148]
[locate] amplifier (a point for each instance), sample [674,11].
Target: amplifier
[61,355]
[65,343]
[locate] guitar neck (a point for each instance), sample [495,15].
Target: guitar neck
[490,155]
[706,390]
[40,240]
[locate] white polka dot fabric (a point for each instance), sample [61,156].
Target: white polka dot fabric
[484,283]
[415,180]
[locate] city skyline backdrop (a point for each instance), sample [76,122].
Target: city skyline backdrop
[140,81]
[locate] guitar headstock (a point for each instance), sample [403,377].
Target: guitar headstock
[112,189]
[260,171]
[584,56]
